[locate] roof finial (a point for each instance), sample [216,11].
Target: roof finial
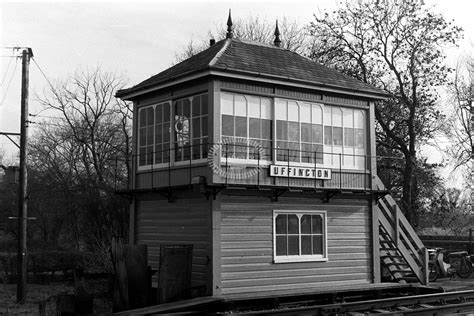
[277,40]
[229,34]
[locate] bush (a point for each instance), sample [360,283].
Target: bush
[51,262]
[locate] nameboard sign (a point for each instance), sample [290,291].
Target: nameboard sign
[300,172]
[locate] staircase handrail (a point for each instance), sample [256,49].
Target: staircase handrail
[402,228]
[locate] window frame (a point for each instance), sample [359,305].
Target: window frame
[301,258]
[172,137]
[247,161]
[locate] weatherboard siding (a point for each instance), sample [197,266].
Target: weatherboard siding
[186,221]
[247,246]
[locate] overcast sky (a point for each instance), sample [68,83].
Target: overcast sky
[137,39]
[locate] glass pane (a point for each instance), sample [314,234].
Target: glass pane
[204,149]
[204,104]
[293,245]
[166,112]
[305,112]
[306,224]
[306,132]
[281,224]
[294,131]
[293,111]
[317,224]
[166,153]
[241,151]
[282,152]
[196,127]
[265,109]
[282,130]
[266,129]
[158,114]
[348,137]
[317,134]
[196,149]
[204,126]
[293,224]
[240,105]
[327,135]
[149,116]
[158,154]
[227,125]
[281,111]
[267,149]
[142,118]
[307,153]
[158,134]
[327,115]
[281,247]
[337,136]
[186,108]
[178,107]
[186,152]
[359,119]
[182,130]
[294,151]
[142,156]
[254,127]
[196,106]
[166,132]
[359,138]
[336,116]
[253,106]
[306,245]
[317,245]
[348,120]
[316,114]
[227,104]
[149,155]
[142,137]
[318,149]
[240,126]
[149,135]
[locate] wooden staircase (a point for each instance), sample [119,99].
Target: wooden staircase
[402,252]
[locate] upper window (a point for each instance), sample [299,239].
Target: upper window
[173,133]
[248,119]
[320,134]
[154,134]
[190,127]
[299,236]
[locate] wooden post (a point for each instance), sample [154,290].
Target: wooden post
[22,188]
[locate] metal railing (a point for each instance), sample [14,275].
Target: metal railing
[178,166]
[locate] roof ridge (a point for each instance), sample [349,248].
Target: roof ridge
[219,53]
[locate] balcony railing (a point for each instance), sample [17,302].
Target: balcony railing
[248,165]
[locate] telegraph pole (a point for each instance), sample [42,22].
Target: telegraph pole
[27,53]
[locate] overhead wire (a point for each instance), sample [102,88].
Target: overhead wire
[6,72]
[9,83]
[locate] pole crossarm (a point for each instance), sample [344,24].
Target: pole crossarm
[7,135]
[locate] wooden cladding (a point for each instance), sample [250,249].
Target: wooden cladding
[185,222]
[247,247]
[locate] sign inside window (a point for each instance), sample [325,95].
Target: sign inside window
[300,172]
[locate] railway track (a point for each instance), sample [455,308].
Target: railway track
[427,304]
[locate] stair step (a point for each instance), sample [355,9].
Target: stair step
[397,264]
[402,271]
[391,256]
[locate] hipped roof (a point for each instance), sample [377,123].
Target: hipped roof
[255,61]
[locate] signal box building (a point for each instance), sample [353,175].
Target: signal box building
[265,162]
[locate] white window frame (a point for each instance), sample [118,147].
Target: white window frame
[301,258]
[245,161]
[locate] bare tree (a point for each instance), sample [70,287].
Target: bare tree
[79,155]
[397,46]
[294,36]
[459,128]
